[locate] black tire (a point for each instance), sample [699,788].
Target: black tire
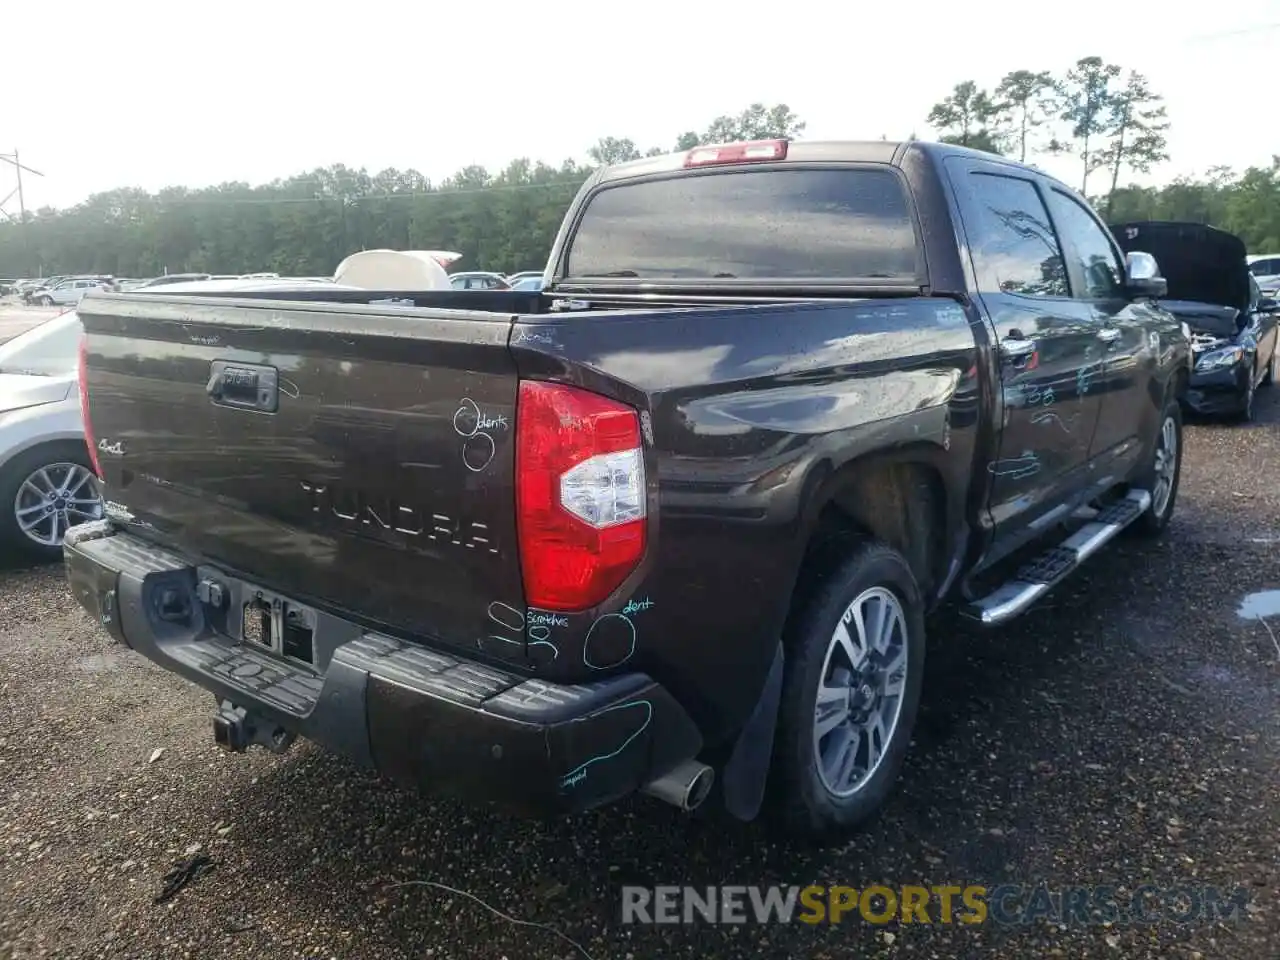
[11,478]
[800,801]
[1245,413]
[1153,522]
[45,301]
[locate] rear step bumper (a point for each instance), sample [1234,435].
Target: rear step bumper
[1053,566]
[426,719]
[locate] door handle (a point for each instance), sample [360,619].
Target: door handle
[1109,335]
[1016,348]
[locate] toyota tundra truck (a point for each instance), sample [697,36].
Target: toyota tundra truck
[671,525]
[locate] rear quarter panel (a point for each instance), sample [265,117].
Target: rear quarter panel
[749,413]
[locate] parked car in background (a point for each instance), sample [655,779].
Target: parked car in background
[37,287]
[46,479]
[528,283]
[1265,268]
[514,278]
[478,280]
[1211,289]
[69,292]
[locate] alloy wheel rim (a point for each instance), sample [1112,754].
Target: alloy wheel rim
[54,498]
[860,691]
[1166,466]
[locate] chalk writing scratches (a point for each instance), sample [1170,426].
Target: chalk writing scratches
[1049,416]
[1039,396]
[1016,468]
[470,423]
[610,621]
[513,621]
[579,773]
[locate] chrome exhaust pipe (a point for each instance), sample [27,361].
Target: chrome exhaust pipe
[686,786]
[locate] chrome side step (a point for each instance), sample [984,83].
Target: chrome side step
[1053,566]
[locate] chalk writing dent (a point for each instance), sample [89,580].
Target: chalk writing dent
[637,606]
[579,773]
[627,630]
[472,424]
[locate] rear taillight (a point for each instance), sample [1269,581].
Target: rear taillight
[84,406]
[753,151]
[580,495]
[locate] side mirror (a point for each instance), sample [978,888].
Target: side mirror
[1268,305]
[1142,276]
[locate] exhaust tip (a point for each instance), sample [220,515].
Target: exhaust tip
[686,787]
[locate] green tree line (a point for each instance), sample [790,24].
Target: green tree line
[1112,123]
[306,224]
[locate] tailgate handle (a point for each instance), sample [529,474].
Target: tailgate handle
[244,386]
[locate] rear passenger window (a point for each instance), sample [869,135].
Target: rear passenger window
[1093,252]
[1013,244]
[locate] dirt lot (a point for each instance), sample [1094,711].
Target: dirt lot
[15,317]
[1124,733]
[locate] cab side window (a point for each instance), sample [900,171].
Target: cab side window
[1013,244]
[1089,246]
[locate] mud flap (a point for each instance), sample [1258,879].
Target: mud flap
[747,771]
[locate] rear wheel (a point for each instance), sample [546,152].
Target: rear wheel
[855,658]
[43,492]
[45,301]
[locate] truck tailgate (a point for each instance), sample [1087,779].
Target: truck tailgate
[358,458]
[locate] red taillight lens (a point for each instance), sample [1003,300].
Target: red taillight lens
[580,495]
[84,407]
[753,151]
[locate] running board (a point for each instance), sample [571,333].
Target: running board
[1049,569]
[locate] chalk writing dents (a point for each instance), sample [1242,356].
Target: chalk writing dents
[1016,468]
[639,707]
[637,606]
[610,642]
[473,425]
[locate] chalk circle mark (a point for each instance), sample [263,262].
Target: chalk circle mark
[610,642]
[478,451]
[505,615]
[466,420]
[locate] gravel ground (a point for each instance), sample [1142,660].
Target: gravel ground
[1123,733]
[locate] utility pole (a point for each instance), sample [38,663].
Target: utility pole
[18,167]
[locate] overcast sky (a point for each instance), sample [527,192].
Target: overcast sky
[135,93]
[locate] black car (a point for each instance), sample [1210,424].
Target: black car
[1233,326]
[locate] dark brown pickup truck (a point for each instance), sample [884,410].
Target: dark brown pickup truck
[676,519]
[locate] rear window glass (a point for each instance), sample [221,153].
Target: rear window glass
[753,224]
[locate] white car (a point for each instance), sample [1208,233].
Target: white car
[69,292]
[46,481]
[1265,268]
